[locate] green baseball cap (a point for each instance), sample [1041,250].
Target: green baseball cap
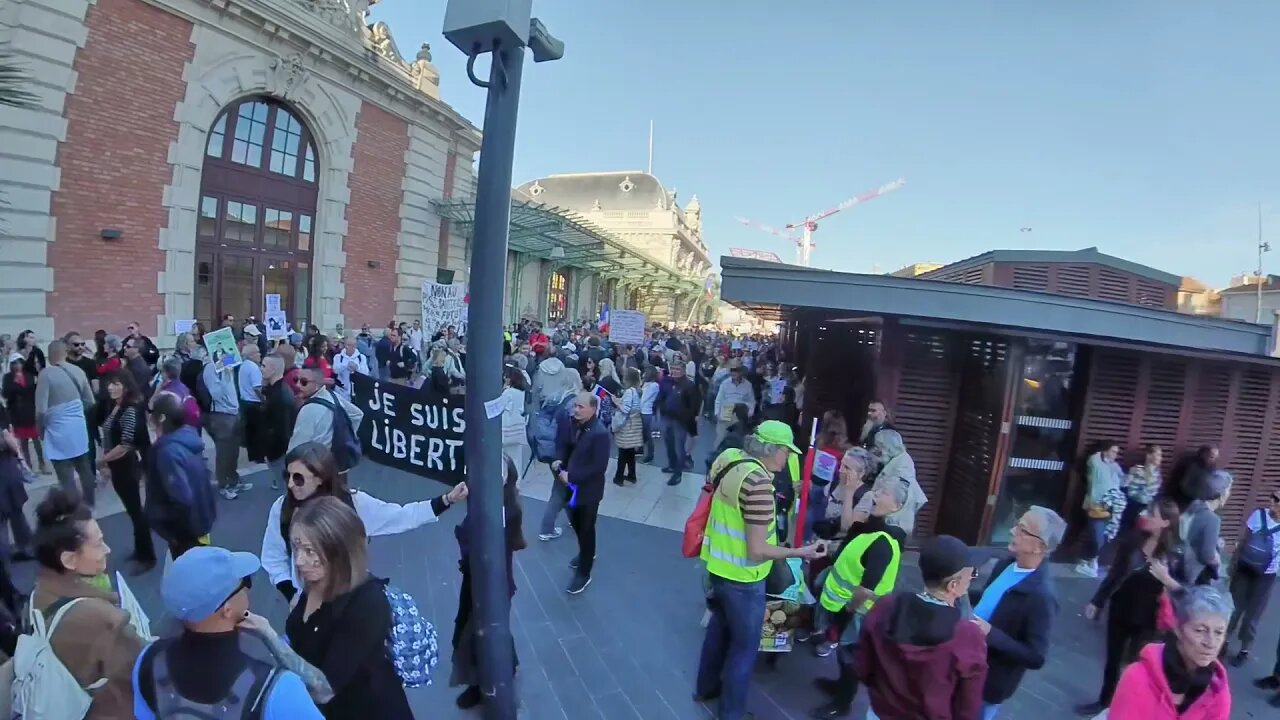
[775,432]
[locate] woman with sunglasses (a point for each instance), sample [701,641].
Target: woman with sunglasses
[311,472]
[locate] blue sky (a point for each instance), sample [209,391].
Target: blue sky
[1146,128]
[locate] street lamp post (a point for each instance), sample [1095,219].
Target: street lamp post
[503,29]
[1262,248]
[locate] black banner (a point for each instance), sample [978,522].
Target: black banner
[413,430]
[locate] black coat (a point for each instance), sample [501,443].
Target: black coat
[1020,629]
[279,414]
[20,400]
[584,453]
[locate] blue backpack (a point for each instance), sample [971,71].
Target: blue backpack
[542,428]
[346,446]
[412,642]
[1257,551]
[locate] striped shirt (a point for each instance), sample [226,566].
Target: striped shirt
[127,418]
[756,498]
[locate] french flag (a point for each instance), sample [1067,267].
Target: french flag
[603,323]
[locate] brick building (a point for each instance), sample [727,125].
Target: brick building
[186,158]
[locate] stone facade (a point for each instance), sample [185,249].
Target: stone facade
[128,91]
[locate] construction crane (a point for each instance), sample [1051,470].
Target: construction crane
[801,233]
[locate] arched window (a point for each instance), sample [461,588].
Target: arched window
[257,214]
[558,297]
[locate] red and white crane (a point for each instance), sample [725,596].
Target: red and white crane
[801,233]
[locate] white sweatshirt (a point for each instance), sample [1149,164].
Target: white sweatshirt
[379,517]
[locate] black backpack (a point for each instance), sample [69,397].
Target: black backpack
[345,446]
[1257,551]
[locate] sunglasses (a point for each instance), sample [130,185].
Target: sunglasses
[246,583]
[297,479]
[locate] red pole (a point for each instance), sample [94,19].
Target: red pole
[805,476]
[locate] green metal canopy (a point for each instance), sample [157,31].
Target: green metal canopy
[538,229]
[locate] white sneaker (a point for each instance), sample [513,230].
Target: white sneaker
[1087,569]
[229,493]
[550,536]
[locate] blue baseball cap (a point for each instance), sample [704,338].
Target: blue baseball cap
[203,579]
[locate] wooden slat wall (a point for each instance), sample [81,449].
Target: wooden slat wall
[1136,399]
[840,370]
[924,409]
[983,373]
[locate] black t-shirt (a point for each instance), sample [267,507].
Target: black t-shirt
[85,363]
[878,555]
[346,638]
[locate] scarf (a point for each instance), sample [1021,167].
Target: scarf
[1190,683]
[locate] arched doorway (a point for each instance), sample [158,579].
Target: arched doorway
[257,214]
[557,296]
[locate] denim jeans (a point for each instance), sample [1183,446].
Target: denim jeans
[1097,537]
[648,422]
[730,645]
[674,436]
[555,504]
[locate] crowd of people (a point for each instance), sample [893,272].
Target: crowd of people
[121,412]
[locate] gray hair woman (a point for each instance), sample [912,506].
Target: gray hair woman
[113,344]
[1182,678]
[898,468]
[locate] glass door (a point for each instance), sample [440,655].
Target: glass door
[1040,450]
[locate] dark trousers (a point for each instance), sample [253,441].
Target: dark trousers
[178,547]
[251,419]
[648,423]
[583,520]
[626,464]
[465,651]
[847,681]
[127,482]
[1124,640]
[1250,592]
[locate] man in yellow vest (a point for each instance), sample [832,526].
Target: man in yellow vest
[866,568]
[739,548]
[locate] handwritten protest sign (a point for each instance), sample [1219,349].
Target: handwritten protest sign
[444,305]
[411,429]
[626,327]
[221,344]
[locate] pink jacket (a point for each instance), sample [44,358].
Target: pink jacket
[1143,693]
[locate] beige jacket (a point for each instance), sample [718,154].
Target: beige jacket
[94,640]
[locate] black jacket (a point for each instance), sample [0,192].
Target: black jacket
[279,413]
[1020,629]
[584,453]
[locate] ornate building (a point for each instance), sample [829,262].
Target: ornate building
[646,218]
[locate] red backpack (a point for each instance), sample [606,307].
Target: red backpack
[695,528]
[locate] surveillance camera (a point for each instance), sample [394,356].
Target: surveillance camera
[544,46]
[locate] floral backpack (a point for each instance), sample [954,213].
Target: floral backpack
[412,641]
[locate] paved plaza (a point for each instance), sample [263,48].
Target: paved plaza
[627,648]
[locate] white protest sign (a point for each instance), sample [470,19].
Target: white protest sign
[444,305]
[626,327]
[273,303]
[277,324]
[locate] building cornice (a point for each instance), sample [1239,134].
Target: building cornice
[327,37]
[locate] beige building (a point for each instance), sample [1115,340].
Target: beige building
[635,209]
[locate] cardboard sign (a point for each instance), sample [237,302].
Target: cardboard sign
[411,429]
[223,351]
[444,305]
[626,327]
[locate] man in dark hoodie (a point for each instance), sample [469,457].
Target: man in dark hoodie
[181,505]
[918,655]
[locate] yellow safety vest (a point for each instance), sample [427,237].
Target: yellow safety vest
[846,574]
[724,546]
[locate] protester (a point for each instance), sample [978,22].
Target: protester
[1190,472]
[249,384]
[93,638]
[865,569]
[514,424]
[13,496]
[739,550]
[648,402]
[582,451]
[206,670]
[899,467]
[1201,528]
[1016,608]
[629,435]
[171,372]
[19,391]
[877,420]
[181,503]
[1103,476]
[146,347]
[347,362]
[124,436]
[137,366]
[279,414]
[29,347]
[917,654]
[1141,485]
[1182,679]
[678,403]
[1149,564]
[319,412]
[311,472]
[466,630]
[342,618]
[63,405]
[732,392]
[1253,573]
[222,422]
